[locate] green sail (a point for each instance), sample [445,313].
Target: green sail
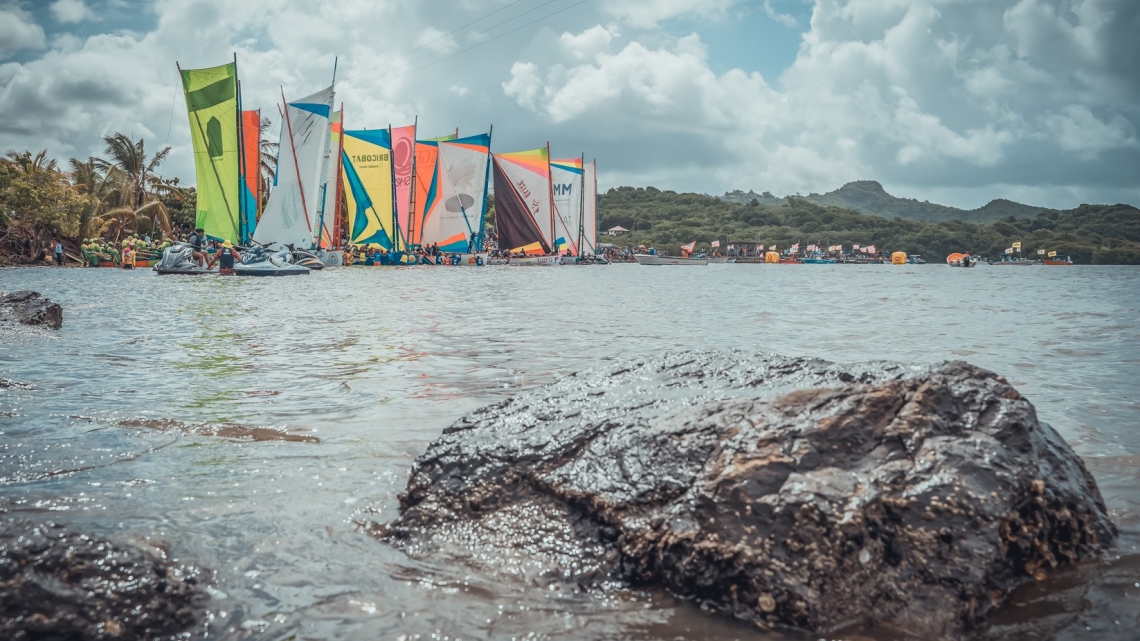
[212,103]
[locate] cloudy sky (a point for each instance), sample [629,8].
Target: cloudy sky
[955,101]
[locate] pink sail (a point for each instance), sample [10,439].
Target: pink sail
[403,158]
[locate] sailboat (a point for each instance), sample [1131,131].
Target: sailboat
[297,209]
[227,153]
[524,211]
[454,209]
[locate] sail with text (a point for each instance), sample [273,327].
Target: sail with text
[212,104]
[462,194]
[366,172]
[566,183]
[292,215]
[403,162]
[249,183]
[522,201]
[590,208]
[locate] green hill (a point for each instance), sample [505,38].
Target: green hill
[869,197]
[1103,234]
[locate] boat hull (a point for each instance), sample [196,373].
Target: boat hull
[534,261]
[268,269]
[647,259]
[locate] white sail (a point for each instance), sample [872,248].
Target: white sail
[566,183]
[292,215]
[590,208]
[463,191]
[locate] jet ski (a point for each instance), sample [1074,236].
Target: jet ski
[306,258]
[179,259]
[260,260]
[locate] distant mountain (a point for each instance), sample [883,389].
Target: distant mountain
[869,197]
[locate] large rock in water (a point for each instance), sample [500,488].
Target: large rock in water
[787,492]
[60,584]
[29,308]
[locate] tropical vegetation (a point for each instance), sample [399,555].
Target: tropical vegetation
[112,197]
[1099,234]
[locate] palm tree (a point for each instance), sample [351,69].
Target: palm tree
[134,189]
[92,183]
[29,164]
[269,152]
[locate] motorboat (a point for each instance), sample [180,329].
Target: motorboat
[179,259]
[261,261]
[1057,260]
[656,259]
[916,259]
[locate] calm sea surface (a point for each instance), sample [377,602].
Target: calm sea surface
[139,419]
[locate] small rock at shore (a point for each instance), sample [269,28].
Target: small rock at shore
[788,492]
[59,584]
[30,308]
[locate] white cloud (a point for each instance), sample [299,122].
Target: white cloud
[786,19]
[18,30]
[911,93]
[71,11]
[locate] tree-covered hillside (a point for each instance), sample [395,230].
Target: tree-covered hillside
[1102,234]
[869,197]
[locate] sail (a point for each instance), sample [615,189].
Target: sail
[590,208]
[326,215]
[566,183]
[212,103]
[528,174]
[292,214]
[403,157]
[462,181]
[366,172]
[250,182]
[514,200]
[427,189]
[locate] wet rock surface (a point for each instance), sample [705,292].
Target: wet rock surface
[59,584]
[786,492]
[30,308]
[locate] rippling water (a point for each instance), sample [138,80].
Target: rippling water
[250,424]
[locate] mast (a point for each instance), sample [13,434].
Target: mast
[412,185]
[392,183]
[325,172]
[338,188]
[296,167]
[582,208]
[242,214]
[597,216]
[550,188]
[486,180]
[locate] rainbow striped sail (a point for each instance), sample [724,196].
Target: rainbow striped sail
[523,213]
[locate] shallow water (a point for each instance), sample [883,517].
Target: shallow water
[250,425]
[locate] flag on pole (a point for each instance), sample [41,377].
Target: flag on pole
[1052,254]
[715,243]
[1017,245]
[690,247]
[772,248]
[1009,250]
[854,247]
[870,249]
[1040,252]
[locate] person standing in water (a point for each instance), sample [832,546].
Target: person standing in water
[225,258]
[57,252]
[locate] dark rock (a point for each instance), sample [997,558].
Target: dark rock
[60,584]
[29,308]
[787,492]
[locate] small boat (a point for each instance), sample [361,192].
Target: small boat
[654,259]
[721,260]
[961,260]
[916,259]
[533,261]
[258,261]
[1057,260]
[1016,261]
[818,261]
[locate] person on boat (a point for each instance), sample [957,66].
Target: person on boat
[57,251]
[471,245]
[966,259]
[225,258]
[195,241]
